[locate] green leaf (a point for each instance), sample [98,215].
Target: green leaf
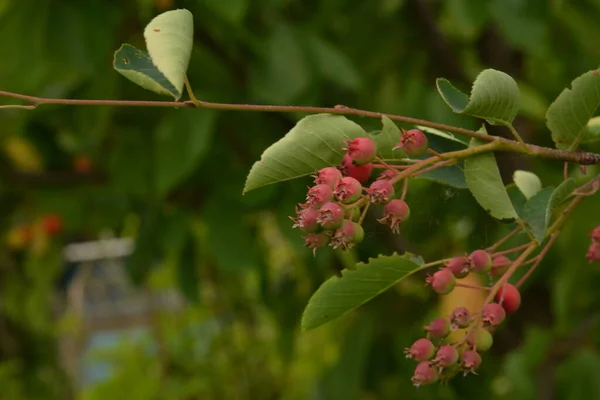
[187,268]
[535,214]
[560,194]
[387,139]
[337,296]
[315,142]
[592,131]
[494,97]
[443,134]
[169,40]
[453,175]
[136,65]
[527,182]
[332,63]
[183,138]
[569,114]
[147,247]
[517,198]
[484,181]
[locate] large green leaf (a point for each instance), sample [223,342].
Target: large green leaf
[494,97]
[484,181]
[387,139]
[314,143]
[568,116]
[527,182]
[535,214]
[337,296]
[169,40]
[453,175]
[560,194]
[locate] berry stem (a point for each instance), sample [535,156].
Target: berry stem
[364,213]
[436,166]
[538,259]
[504,239]
[404,189]
[466,285]
[509,251]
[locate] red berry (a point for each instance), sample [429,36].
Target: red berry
[348,190]
[480,339]
[493,314]
[438,328]
[509,297]
[442,281]
[414,143]
[306,220]
[481,261]
[421,350]
[319,195]
[348,235]
[361,173]
[394,213]
[387,174]
[446,356]
[595,234]
[380,191]
[470,361]
[361,150]
[500,265]
[460,318]
[425,374]
[316,240]
[329,176]
[459,266]
[593,253]
[52,224]
[331,216]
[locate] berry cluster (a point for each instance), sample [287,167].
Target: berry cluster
[335,206]
[593,253]
[439,358]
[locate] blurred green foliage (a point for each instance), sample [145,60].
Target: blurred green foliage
[174,179]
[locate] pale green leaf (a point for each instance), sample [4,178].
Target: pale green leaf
[387,139]
[169,40]
[337,296]
[315,142]
[592,131]
[494,97]
[569,114]
[484,181]
[527,182]
[443,134]
[534,213]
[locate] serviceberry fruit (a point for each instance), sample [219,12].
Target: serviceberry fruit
[394,213]
[316,240]
[361,173]
[425,374]
[442,281]
[459,266]
[481,261]
[361,150]
[348,235]
[348,190]
[329,176]
[331,216]
[470,361]
[481,339]
[414,143]
[493,314]
[380,191]
[319,195]
[421,350]
[509,297]
[593,253]
[460,318]
[438,328]
[306,220]
[446,356]
[500,265]
[595,234]
[387,174]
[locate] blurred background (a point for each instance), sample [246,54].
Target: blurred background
[131,266]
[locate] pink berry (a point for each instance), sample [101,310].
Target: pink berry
[414,143]
[319,195]
[361,173]
[509,297]
[481,261]
[438,328]
[348,190]
[361,150]
[500,265]
[306,220]
[387,174]
[316,240]
[442,281]
[460,318]
[470,361]
[459,266]
[331,216]
[493,314]
[425,374]
[394,213]
[421,350]
[329,176]
[348,235]
[380,191]
[480,339]
[446,356]
[595,234]
[593,253]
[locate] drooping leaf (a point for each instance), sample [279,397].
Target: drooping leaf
[136,65]
[332,63]
[569,114]
[560,194]
[147,246]
[169,40]
[535,214]
[314,143]
[337,296]
[494,97]
[527,182]
[484,181]
[443,134]
[387,139]
[517,199]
